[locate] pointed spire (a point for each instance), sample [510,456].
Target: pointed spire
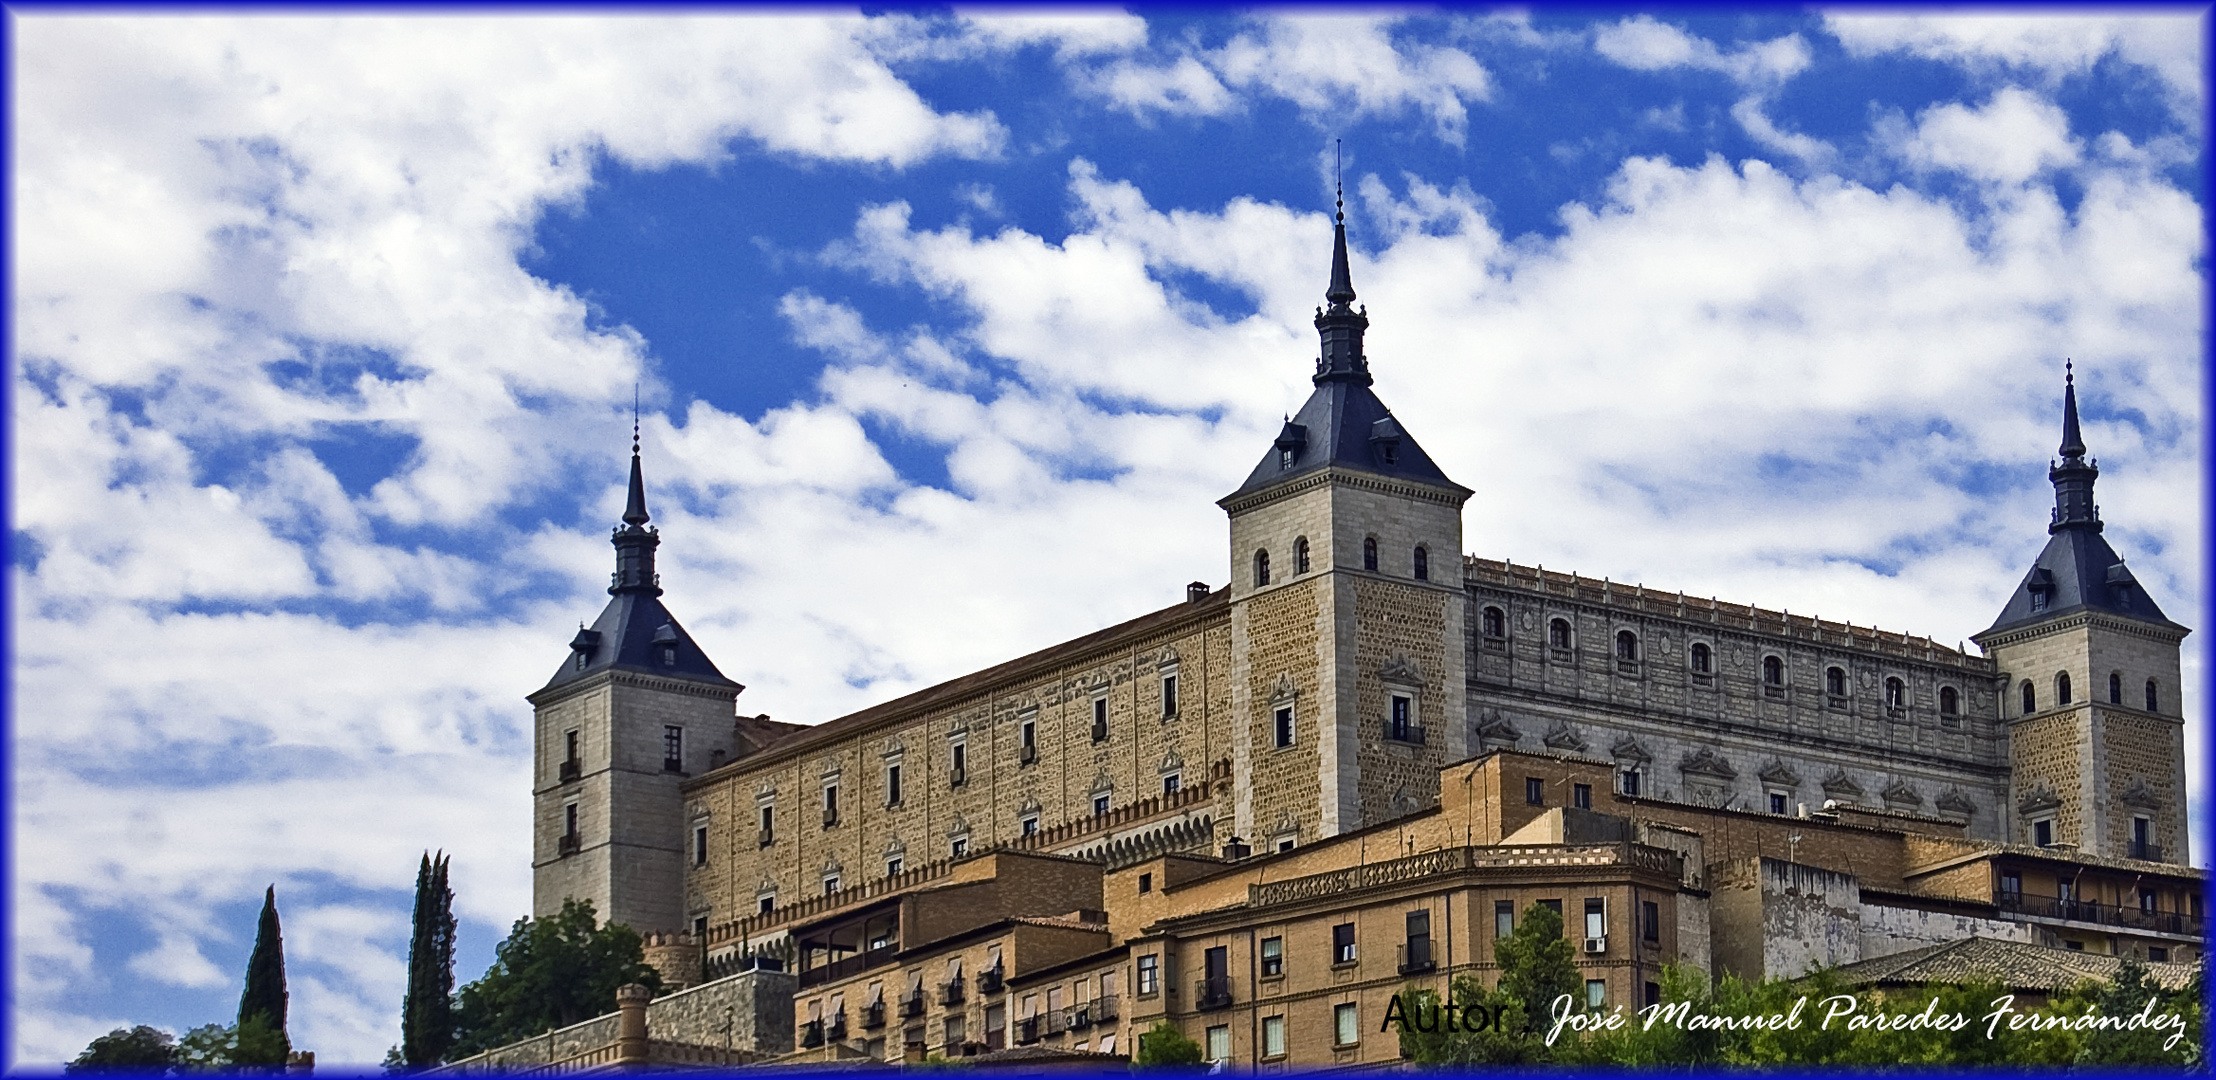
[634,511]
[2073,477]
[2073,442]
[1341,326]
[1341,291]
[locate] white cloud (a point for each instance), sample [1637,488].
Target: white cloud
[1328,65]
[2168,43]
[2008,140]
[1642,43]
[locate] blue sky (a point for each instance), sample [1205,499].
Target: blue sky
[948,331]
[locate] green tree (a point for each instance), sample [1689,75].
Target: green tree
[1164,1044]
[550,973]
[1536,966]
[2130,993]
[207,1048]
[140,1049]
[261,1025]
[426,1014]
[1489,1028]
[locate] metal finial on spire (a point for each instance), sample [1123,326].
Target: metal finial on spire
[1341,290]
[2073,441]
[1339,177]
[634,510]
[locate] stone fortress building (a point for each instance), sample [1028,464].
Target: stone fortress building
[1350,681]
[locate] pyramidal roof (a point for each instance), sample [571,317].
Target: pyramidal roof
[1343,424]
[2077,571]
[635,632]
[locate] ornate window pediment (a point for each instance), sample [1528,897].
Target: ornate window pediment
[1564,737]
[1953,802]
[960,826]
[1030,806]
[1171,762]
[1287,825]
[1779,774]
[1168,662]
[1631,750]
[895,847]
[831,867]
[1493,730]
[1841,786]
[2039,799]
[1401,670]
[1899,796]
[1102,785]
[1283,690]
[765,795]
[1706,762]
[894,749]
[2139,794]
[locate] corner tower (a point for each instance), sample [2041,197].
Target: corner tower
[1346,605]
[634,709]
[2096,735]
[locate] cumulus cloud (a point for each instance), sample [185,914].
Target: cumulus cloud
[2167,43]
[1327,65]
[1643,43]
[2010,139]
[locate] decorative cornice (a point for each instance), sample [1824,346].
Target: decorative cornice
[1333,474]
[1706,762]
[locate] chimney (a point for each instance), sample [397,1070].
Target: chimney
[1235,850]
[1196,592]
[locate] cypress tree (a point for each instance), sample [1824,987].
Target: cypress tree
[426,1016]
[262,1038]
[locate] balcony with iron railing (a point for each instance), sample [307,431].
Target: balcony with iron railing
[954,992]
[811,1034]
[1027,1031]
[1415,956]
[2140,849]
[1404,732]
[1212,993]
[572,770]
[990,980]
[2099,914]
[850,965]
[569,844]
[836,1032]
[912,1005]
[873,1015]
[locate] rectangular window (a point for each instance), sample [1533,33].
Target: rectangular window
[893,865]
[1150,975]
[1556,907]
[2158,954]
[1342,943]
[1777,803]
[1030,733]
[764,904]
[1030,825]
[1346,1025]
[1650,920]
[570,740]
[961,759]
[1273,1036]
[1596,994]
[1504,918]
[831,805]
[1169,784]
[1100,805]
[1219,1043]
[2012,884]
[700,928]
[2042,833]
[1581,796]
[700,845]
[1653,994]
[959,847]
[892,785]
[569,820]
[1273,956]
[1169,697]
[1631,782]
[1100,718]
[769,825]
[1285,726]
[830,884]
[673,748]
[2147,901]
[1146,883]
[1401,718]
[1534,791]
[1596,917]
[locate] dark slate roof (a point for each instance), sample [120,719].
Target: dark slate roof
[2014,964]
[628,636]
[1338,422]
[2079,572]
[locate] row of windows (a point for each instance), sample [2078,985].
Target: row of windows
[2030,693]
[1421,560]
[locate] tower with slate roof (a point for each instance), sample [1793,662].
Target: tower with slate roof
[634,709]
[2096,735]
[1347,606]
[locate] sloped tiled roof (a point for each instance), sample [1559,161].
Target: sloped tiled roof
[2014,964]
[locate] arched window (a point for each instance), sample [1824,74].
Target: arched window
[2031,699]
[1896,694]
[1423,563]
[1496,622]
[1300,555]
[1773,671]
[1835,681]
[1558,634]
[1704,660]
[1627,645]
[1261,568]
[2115,687]
[2153,701]
[1369,553]
[1950,702]
[2062,688]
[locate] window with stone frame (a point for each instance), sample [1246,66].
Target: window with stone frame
[1369,553]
